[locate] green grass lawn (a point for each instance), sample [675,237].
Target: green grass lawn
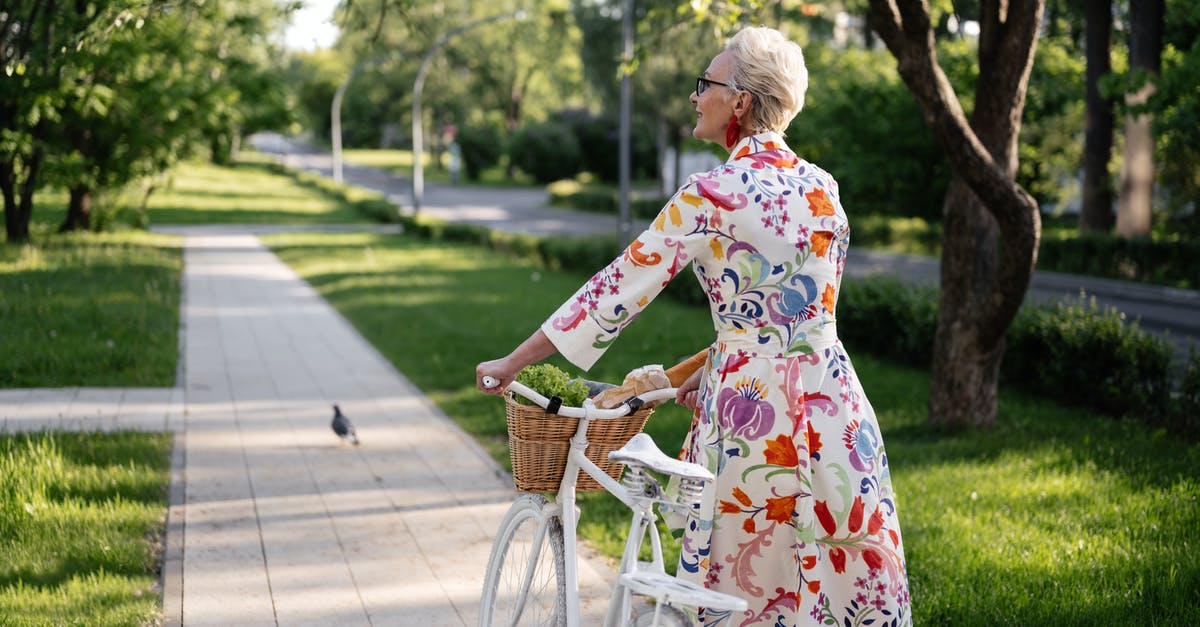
[1053,517]
[81,518]
[247,193]
[90,309]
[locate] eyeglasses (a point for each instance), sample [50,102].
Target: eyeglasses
[702,84]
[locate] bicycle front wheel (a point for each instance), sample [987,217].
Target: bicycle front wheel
[526,580]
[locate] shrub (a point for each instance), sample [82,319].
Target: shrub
[890,318]
[582,196]
[1073,353]
[599,143]
[547,151]
[897,234]
[1185,404]
[1085,356]
[482,146]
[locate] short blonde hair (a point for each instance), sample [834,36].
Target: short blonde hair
[770,67]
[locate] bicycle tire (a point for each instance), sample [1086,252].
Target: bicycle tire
[669,616]
[545,602]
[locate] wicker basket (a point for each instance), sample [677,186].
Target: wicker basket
[540,442]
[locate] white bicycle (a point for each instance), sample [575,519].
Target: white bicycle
[531,575]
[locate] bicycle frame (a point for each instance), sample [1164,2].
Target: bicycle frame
[568,511]
[639,492]
[643,517]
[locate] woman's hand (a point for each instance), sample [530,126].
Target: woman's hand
[505,369]
[688,393]
[501,370]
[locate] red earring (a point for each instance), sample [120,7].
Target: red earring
[733,131]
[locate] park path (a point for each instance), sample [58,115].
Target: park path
[273,520]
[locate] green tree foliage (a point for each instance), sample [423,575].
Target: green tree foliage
[1177,116]
[98,94]
[547,151]
[501,73]
[482,146]
[861,124]
[1051,141]
[37,41]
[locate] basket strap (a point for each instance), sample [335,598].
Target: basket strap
[554,405]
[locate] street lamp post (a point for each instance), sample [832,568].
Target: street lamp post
[624,215]
[418,183]
[335,128]
[335,111]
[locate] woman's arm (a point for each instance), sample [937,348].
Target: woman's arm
[534,349]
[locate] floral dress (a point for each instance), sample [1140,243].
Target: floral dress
[801,521]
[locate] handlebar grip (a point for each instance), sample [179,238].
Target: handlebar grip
[490,382]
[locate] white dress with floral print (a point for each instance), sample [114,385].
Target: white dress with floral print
[801,520]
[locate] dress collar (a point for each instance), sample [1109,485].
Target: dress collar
[768,140]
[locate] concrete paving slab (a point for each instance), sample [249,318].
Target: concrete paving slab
[303,527]
[90,409]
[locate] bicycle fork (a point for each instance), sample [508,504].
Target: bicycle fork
[619,606]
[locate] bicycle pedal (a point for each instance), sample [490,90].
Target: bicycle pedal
[665,588]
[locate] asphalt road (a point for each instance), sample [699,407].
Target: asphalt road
[1169,312]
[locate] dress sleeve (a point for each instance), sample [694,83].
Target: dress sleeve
[588,323]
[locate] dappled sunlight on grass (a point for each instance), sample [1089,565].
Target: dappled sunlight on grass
[80,520]
[245,193]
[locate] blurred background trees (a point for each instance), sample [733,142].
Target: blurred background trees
[101,94]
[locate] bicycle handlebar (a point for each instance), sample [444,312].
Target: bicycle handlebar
[589,409]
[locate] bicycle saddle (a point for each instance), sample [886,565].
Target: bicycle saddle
[641,449]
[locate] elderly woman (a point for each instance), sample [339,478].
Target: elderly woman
[801,520]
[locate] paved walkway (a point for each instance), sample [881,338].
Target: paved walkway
[274,521]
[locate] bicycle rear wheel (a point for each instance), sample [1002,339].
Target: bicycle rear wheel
[526,580]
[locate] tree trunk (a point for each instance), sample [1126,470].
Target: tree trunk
[8,187]
[992,225]
[79,210]
[1137,170]
[18,195]
[966,358]
[1096,215]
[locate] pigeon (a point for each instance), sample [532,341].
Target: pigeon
[342,427]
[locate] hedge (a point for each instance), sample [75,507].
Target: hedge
[1174,263]
[1073,353]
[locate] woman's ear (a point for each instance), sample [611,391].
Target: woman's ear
[743,103]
